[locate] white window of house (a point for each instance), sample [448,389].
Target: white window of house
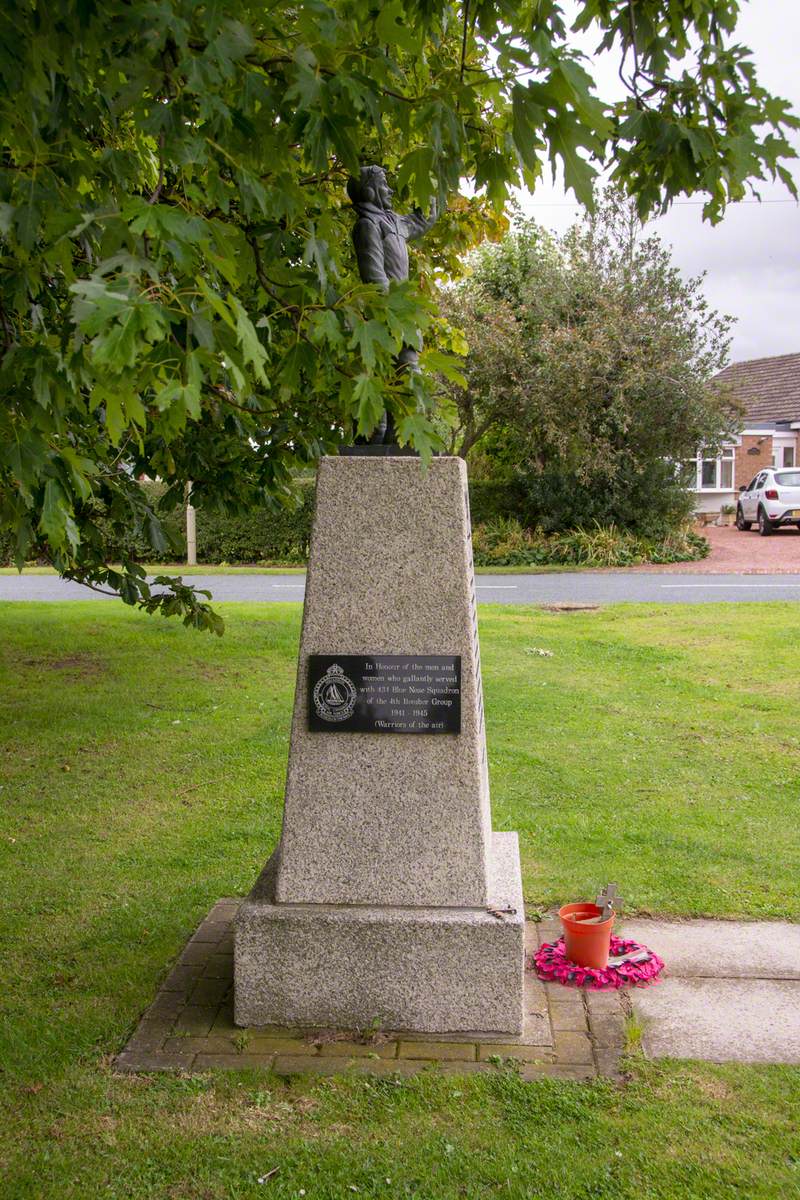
[788,456]
[716,474]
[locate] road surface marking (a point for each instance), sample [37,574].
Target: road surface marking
[497,587]
[288,585]
[729,585]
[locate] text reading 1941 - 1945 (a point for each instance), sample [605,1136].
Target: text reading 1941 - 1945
[384,693]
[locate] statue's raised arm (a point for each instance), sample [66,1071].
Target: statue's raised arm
[416,224]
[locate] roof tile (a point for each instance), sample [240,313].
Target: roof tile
[769,388]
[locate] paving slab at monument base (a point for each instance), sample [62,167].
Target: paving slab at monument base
[190,1027]
[730,990]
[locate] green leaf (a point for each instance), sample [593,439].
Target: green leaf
[115,417]
[324,327]
[252,350]
[418,165]
[27,219]
[368,402]
[117,348]
[528,117]
[80,469]
[56,520]
[367,335]
[445,364]
[565,137]
[217,303]
[392,26]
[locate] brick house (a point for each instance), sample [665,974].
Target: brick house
[769,390]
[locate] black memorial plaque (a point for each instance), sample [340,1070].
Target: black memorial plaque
[384,693]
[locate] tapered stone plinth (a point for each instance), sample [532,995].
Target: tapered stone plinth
[388,896]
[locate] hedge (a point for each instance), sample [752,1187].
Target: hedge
[265,535]
[281,536]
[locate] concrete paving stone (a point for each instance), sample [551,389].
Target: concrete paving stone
[154,1021]
[531,939]
[723,949]
[223,1022]
[226,908]
[265,1044]
[327,1064]
[608,1063]
[467,1035]
[132,1062]
[568,1018]
[195,953]
[536,1028]
[520,1053]
[232,1062]
[211,931]
[603,1004]
[440,1051]
[723,1020]
[196,1021]
[219,966]
[459,1068]
[537,1032]
[608,1031]
[148,1036]
[166,1005]
[181,978]
[572,1048]
[360,1049]
[548,931]
[530,1073]
[207,992]
[558,994]
[534,995]
[199,1045]
[225,944]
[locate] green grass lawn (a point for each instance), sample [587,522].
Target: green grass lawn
[142,771]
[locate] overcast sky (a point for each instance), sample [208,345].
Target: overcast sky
[752,258]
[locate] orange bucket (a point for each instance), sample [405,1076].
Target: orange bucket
[586,945]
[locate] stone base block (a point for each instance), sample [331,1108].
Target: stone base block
[431,970]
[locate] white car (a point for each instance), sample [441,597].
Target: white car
[770,499]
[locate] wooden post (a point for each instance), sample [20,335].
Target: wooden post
[191,530]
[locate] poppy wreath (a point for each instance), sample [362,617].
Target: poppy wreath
[552,965]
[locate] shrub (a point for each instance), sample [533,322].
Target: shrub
[6,547]
[265,535]
[490,499]
[650,503]
[504,542]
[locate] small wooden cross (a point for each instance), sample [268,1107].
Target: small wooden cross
[607,900]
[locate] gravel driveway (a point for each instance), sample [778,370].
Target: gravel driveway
[735,553]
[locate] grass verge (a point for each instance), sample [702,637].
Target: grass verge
[142,771]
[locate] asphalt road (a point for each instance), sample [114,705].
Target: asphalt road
[579,587]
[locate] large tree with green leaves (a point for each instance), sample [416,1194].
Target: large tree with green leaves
[178,295]
[588,377]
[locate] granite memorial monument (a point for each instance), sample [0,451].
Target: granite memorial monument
[389,898]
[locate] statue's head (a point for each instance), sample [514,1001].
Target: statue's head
[370,187]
